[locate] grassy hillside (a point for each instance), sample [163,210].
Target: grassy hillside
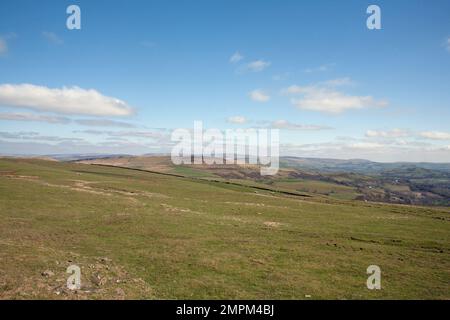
[137,234]
[402,183]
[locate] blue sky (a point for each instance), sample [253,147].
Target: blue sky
[310,68]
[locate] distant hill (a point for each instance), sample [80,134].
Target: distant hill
[357,165]
[406,183]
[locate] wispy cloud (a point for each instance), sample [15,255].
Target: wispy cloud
[34,136]
[447,44]
[334,102]
[435,135]
[366,145]
[338,82]
[394,133]
[157,136]
[406,137]
[4,42]
[236,57]
[33,117]
[114,146]
[73,100]
[259,95]
[321,68]
[324,97]
[284,124]
[104,123]
[237,120]
[52,37]
[257,65]
[352,148]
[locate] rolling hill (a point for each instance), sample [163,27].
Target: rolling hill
[191,234]
[402,183]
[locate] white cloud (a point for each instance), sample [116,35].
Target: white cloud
[156,136]
[258,65]
[52,37]
[334,101]
[447,44]
[294,89]
[259,96]
[104,123]
[284,124]
[394,133]
[325,98]
[27,147]
[366,145]
[375,151]
[322,68]
[237,119]
[435,135]
[64,120]
[3,42]
[35,136]
[346,81]
[33,117]
[73,100]
[236,57]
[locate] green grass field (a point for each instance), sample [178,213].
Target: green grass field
[145,235]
